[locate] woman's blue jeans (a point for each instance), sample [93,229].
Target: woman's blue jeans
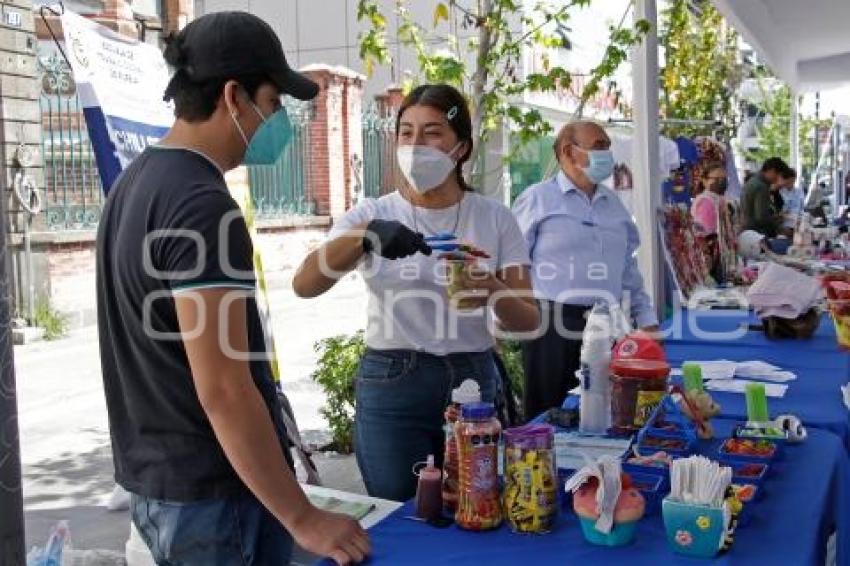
[401,396]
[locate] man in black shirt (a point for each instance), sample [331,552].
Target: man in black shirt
[196,427]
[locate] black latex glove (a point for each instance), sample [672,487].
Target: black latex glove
[393,240]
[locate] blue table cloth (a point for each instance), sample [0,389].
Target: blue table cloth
[820,366]
[805,499]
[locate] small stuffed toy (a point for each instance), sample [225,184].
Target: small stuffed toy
[700,408]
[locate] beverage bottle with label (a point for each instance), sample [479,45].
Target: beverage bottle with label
[467,392]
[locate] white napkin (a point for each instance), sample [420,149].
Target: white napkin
[740,385]
[757,369]
[607,470]
[716,369]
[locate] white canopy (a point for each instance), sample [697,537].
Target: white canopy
[805,42]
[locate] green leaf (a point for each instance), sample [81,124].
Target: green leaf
[441,12]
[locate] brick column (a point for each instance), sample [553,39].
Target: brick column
[390,100]
[352,131]
[329,160]
[176,14]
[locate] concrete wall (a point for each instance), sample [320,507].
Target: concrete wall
[326,31]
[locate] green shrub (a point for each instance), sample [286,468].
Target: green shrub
[54,323]
[339,357]
[511,354]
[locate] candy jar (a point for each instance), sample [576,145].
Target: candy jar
[531,493]
[477,433]
[638,386]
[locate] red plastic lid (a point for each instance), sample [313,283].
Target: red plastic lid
[640,346]
[640,369]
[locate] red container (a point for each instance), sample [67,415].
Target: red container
[637,387]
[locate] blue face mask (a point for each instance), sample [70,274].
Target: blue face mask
[600,164]
[270,139]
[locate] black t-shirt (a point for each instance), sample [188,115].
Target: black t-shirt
[169,225]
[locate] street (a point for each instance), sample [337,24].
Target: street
[65,449]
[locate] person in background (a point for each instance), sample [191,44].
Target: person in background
[419,347]
[582,243]
[758,208]
[197,433]
[792,197]
[706,209]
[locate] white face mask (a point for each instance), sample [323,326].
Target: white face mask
[425,167]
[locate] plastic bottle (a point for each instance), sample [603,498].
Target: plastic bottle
[479,505]
[429,499]
[467,392]
[595,357]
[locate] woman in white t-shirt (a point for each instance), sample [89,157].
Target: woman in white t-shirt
[419,347]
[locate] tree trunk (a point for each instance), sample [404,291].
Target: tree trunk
[479,86]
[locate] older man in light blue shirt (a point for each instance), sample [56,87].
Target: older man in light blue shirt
[582,243]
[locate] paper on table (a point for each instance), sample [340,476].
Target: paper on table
[755,366]
[776,376]
[716,369]
[845,393]
[354,509]
[571,448]
[739,386]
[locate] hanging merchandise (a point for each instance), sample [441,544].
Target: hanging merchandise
[683,255]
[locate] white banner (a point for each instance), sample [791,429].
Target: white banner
[120,82]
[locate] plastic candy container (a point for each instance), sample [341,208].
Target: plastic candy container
[531,492]
[638,386]
[477,433]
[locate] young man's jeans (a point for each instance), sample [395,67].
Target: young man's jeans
[401,396]
[231,531]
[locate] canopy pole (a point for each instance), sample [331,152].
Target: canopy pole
[795,134]
[12,546]
[647,174]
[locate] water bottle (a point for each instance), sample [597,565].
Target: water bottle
[593,374]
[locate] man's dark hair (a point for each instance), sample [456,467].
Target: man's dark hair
[789,173]
[195,101]
[775,164]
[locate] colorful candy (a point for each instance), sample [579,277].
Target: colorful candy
[531,495]
[748,447]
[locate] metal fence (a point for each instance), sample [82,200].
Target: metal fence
[284,189]
[72,187]
[380,169]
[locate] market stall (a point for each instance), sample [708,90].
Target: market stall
[820,367]
[803,502]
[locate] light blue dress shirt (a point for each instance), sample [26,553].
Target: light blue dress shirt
[582,250]
[793,205]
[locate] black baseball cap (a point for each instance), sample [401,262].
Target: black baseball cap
[228,44]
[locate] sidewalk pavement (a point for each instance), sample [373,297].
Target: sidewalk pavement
[66,456]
